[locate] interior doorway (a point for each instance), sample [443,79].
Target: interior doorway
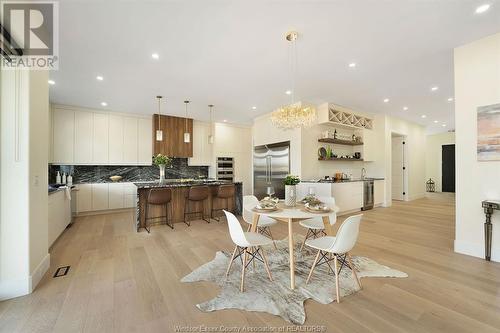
[448,168]
[399,170]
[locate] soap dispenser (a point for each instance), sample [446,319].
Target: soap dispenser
[58,177]
[64,178]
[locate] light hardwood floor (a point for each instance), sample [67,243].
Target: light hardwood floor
[124,281]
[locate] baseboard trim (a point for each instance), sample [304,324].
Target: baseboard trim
[39,272]
[476,250]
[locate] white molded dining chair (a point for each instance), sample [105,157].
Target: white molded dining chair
[339,246]
[247,243]
[264,224]
[315,226]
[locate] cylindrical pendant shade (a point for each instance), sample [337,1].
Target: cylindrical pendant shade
[187,137]
[159,135]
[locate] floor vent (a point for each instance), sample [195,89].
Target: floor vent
[61,271]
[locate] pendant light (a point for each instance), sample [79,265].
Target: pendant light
[211,135]
[159,132]
[187,136]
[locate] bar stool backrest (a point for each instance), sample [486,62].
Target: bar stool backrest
[225,191]
[159,196]
[198,193]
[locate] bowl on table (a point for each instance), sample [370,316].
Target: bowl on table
[317,207]
[265,206]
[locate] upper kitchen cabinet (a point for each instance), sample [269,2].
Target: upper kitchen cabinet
[173,128]
[100,138]
[202,150]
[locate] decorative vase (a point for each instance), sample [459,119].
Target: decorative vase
[290,195]
[162,172]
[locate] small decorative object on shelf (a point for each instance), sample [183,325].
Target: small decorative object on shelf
[430,185]
[290,190]
[162,161]
[335,134]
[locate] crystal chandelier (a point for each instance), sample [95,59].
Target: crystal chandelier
[293,115]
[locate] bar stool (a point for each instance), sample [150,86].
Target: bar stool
[224,192]
[159,197]
[196,194]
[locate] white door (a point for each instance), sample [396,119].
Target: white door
[100,139]
[398,186]
[145,142]
[63,128]
[83,137]
[115,139]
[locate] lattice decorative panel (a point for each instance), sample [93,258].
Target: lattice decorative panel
[350,119]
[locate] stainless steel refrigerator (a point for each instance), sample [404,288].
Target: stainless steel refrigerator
[271,164]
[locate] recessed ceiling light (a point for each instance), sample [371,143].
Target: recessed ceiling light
[436,121]
[155,56]
[51,82]
[405,108]
[450,99]
[424,116]
[104,104]
[444,125]
[386,100]
[99,78]
[352,65]
[254,108]
[225,120]
[288,92]
[481,9]
[434,88]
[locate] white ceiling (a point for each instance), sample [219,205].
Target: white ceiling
[233,54]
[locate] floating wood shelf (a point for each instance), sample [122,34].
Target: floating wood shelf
[341,159]
[341,142]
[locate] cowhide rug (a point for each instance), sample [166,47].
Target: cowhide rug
[276,297]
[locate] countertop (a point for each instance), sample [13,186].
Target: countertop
[323,181]
[53,190]
[153,184]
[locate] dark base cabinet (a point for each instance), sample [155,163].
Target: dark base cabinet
[178,202]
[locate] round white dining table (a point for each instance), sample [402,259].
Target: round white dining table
[291,215]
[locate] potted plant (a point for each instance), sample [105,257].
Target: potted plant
[162,161]
[290,190]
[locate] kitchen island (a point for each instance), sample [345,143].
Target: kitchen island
[179,191]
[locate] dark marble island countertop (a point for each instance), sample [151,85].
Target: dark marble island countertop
[157,183]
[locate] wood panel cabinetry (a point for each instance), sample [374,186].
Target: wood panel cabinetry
[173,144]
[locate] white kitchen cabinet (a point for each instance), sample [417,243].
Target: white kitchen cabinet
[116,195]
[115,139]
[100,139]
[129,195]
[63,126]
[83,137]
[202,149]
[59,215]
[84,198]
[379,192]
[100,196]
[348,196]
[144,141]
[130,140]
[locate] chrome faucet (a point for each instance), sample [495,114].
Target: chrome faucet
[363,173]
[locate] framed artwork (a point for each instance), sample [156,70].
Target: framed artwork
[488,133]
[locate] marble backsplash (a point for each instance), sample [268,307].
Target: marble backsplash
[101,173]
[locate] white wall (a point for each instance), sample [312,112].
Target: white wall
[235,141]
[477,83]
[434,158]
[24,254]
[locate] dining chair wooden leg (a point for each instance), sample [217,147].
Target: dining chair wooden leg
[337,289]
[243,267]
[270,234]
[249,227]
[353,269]
[312,268]
[304,242]
[266,264]
[253,249]
[231,261]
